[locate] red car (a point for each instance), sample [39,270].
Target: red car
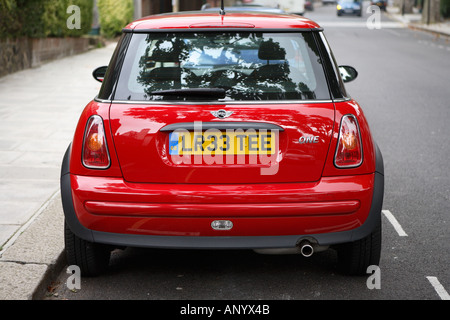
[223,131]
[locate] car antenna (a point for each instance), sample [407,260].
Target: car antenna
[222,8]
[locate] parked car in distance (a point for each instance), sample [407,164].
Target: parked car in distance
[223,131]
[380,3]
[326,2]
[349,7]
[309,5]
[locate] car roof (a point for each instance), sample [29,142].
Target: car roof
[213,20]
[247,8]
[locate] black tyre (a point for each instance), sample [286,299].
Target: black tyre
[355,257]
[91,258]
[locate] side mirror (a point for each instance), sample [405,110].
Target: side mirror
[99,73]
[348,73]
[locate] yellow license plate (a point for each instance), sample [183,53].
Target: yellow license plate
[222,143]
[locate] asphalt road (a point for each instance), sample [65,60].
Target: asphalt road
[403,87]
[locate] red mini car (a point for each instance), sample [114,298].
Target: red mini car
[223,131]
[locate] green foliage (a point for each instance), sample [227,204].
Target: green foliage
[42,18]
[114,16]
[445,8]
[9,21]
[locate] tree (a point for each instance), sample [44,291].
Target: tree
[406,6]
[431,12]
[114,16]
[445,8]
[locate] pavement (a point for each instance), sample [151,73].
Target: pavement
[414,21]
[39,110]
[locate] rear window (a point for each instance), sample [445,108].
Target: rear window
[247,66]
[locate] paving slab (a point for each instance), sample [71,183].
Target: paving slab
[39,110]
[35,255]
[414,21]
[17,279]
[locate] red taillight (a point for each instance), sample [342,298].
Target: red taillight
[95,150]
[349,149]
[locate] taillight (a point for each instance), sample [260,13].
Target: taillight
[349,150]
[95,151]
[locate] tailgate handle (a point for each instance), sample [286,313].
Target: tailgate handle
[191,126]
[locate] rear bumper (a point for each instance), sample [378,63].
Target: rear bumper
[332,211]
[349,11]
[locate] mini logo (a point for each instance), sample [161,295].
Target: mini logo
[222,114]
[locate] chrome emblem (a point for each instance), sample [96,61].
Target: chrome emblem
[308,139]
[222,114]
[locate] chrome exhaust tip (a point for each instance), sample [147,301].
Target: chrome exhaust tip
[306,249]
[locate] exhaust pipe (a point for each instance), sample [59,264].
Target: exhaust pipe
[304,246]
[306,249]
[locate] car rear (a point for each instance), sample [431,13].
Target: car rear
[353,7]
[222,136]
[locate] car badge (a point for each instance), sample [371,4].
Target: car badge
[222,114]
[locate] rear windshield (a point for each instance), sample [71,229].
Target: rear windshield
[245,66]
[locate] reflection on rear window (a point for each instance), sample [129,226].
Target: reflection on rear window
[249,66]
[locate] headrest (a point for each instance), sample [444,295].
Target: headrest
[269,50]
[166,74]
[167,51]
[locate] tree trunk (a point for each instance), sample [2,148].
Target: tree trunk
[431,12]
[406,6]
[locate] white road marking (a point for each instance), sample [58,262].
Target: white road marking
[439,288]
[395,33]
[433,45]
[394,223]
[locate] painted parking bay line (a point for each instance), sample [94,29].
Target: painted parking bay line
[394,223]
[439,288]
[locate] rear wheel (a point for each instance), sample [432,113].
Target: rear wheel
[91,258]
[355,257]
